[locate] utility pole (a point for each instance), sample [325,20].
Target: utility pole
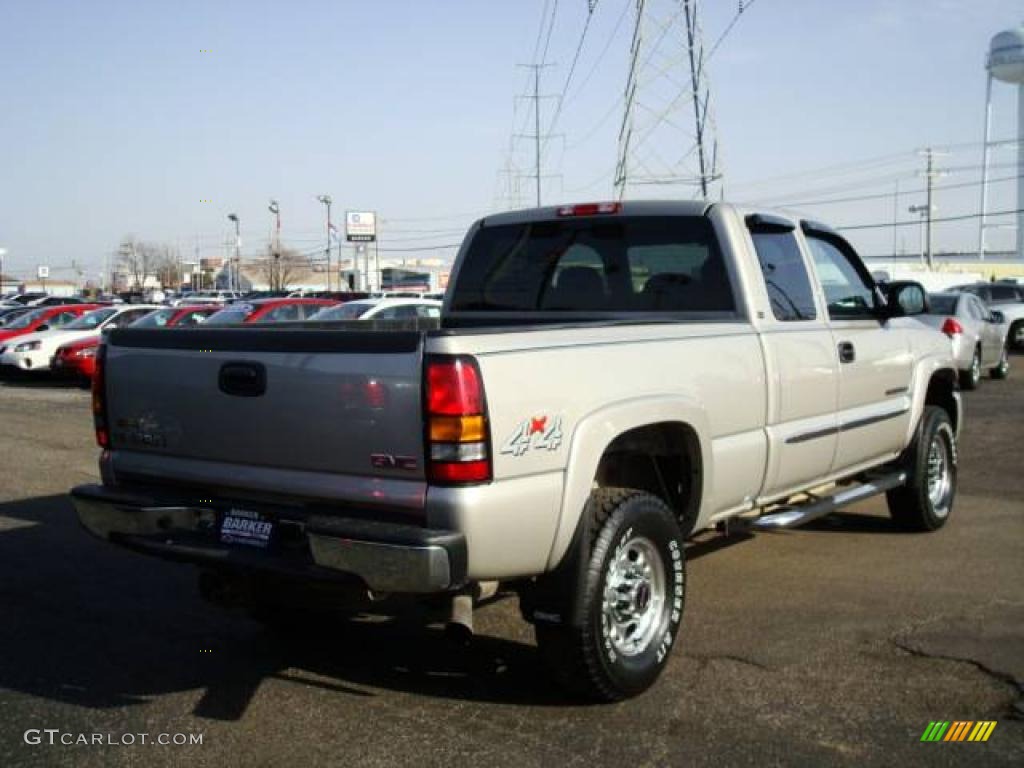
[275,265]
[326,200]
[537,136]
[238,254]
[921,211]
[895,216]
[931,173]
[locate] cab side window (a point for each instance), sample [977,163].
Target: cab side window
[849,294]
[785,275]
[63,318]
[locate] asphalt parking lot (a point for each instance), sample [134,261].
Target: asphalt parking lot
[836,644]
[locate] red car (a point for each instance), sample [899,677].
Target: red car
[268,311]
[44,319]
[78,358]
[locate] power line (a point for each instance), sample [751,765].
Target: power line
[572,68]
[888,195]
[551,28]
[916,223]
[728,29]
[604,51]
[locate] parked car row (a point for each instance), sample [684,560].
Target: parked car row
[983,322]
[63,339]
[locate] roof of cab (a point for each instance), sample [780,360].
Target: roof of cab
[629,208]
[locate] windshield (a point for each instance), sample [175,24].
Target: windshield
[351,311]
[28,319]
[90,320]
[230,316]
[941,305]
[157,319]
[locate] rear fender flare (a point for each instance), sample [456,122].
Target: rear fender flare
[596,431]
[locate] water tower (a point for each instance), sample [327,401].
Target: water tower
[1006,64]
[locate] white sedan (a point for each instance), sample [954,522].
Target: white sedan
[35,351]
[380,309]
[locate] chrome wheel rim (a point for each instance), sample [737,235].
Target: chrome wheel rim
[1018,335]
[976,367]
[939,478]
[634,596]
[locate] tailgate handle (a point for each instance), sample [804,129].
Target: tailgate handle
[243,379]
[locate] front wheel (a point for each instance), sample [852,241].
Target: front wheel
[924,503]
[632,600]
[970,378]
[1002,369]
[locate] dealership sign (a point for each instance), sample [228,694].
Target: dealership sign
[360,226]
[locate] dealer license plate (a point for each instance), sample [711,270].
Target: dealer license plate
[241,526]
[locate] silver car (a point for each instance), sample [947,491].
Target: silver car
[977,332]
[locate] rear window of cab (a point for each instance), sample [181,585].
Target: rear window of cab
[595,265]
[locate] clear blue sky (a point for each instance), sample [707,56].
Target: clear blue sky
[114,122]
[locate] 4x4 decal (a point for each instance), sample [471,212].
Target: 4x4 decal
[534,433]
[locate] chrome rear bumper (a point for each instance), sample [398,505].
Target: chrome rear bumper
[386,557]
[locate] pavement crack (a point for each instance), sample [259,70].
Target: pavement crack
[1003,677]
[705,659]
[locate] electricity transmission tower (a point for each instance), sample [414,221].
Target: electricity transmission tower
[668,134]
[538,138]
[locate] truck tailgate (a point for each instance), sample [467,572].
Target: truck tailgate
[327,401]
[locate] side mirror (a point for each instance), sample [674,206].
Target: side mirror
[997,317]
[905,298]
[43,327]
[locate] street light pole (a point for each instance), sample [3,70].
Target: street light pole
[3,252]
[326,200]
[238,253]
[275,270]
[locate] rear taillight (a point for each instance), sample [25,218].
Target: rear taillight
[589,209]
[457,441]
[952,327]
[99,398]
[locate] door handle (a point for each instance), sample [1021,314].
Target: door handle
[847,353]
[243,379]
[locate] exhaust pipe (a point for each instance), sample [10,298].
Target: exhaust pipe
[459,627]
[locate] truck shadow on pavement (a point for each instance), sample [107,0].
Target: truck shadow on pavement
[87,624]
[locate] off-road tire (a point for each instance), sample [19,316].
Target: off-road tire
[586,658]
[970,378]
[1002,370]
[926,501]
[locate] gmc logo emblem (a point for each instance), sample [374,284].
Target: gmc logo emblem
[388,461]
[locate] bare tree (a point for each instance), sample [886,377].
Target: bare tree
[139,260]
[167,266]
[280,268]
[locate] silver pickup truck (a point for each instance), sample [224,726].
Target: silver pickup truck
[605,380]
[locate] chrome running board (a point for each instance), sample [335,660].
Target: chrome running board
[791,517]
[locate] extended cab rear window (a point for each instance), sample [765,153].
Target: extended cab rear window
[595,264]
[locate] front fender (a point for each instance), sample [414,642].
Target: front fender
[924,370]
[596,431]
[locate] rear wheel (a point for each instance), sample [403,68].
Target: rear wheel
[924,503]
[632,600]
[1002,369]
[1015,338]
[970,378]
